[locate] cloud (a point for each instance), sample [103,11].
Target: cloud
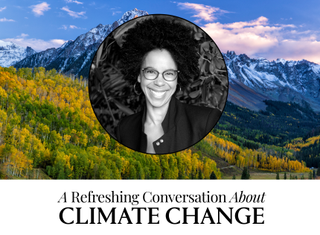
[23,35]
[6,20]
[304,48]
[116,12]
[34,43]
[203,12]
[65,27]
[244,37]
[40,8]
[73,13]
[73,1]
[258,37]
[2,8]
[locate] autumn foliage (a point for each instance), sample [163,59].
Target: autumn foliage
[47,124]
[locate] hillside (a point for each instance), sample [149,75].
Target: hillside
[48,129]
[280,122]
[47,126]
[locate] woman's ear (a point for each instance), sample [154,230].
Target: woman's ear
[139,79]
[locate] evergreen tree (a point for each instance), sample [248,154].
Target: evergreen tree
[314,174]
[234,177]
[245,174]
[213,176]
[285,175]
[318,172]
[310,175]
[277,177]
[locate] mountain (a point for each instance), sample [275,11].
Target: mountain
[251,80]
[11,53]
[75,57]
[254,80]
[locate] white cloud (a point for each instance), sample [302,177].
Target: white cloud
[36,44]
[73,13]
[116,12]
[73,1]
[245,41]
[6,20]
[304,48]
[23,35]
[2,8]
[203,12]
[40,8]
[258,37]
[64,27]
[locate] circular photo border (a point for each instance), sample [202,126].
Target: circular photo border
[112,97]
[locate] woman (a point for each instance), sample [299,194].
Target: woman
[159,56]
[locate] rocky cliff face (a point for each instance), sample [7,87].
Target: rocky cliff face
[282,80]
[74,57]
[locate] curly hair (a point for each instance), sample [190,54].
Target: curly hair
[160,33]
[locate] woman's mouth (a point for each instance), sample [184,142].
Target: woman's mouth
[158,94]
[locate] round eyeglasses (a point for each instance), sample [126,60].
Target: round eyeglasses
[168,75]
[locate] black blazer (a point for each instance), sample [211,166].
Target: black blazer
[184,125]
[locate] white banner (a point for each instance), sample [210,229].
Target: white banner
[145,207]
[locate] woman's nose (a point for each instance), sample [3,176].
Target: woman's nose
[159,80]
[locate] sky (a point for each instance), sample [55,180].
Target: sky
[271,29]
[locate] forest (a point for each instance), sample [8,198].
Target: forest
[48,130]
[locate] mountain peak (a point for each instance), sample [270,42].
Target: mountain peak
[231,54]
[10,53]
[75,56]
[280,60]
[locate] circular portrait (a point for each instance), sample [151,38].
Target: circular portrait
[158,84]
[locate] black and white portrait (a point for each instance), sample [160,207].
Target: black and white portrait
[158,84]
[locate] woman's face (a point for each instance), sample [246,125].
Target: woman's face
[158,92]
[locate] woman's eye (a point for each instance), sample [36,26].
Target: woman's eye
[150,71]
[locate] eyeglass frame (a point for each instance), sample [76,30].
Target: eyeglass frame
[175,70]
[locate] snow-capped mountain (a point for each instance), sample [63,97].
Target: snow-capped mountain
[254,80]
[251,80]
[75,57]
[11,53]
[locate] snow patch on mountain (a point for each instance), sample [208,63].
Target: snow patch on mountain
[297,81]
[11,53]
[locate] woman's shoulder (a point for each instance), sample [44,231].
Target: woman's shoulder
[131,120]
[128,124]
[202,118]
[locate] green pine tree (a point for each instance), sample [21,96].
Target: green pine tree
[213,176]
[277,177]
[285,175]
[245,174]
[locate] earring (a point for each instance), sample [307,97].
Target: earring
[178,90]
[135,90]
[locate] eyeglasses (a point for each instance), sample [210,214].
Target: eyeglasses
[168,75]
